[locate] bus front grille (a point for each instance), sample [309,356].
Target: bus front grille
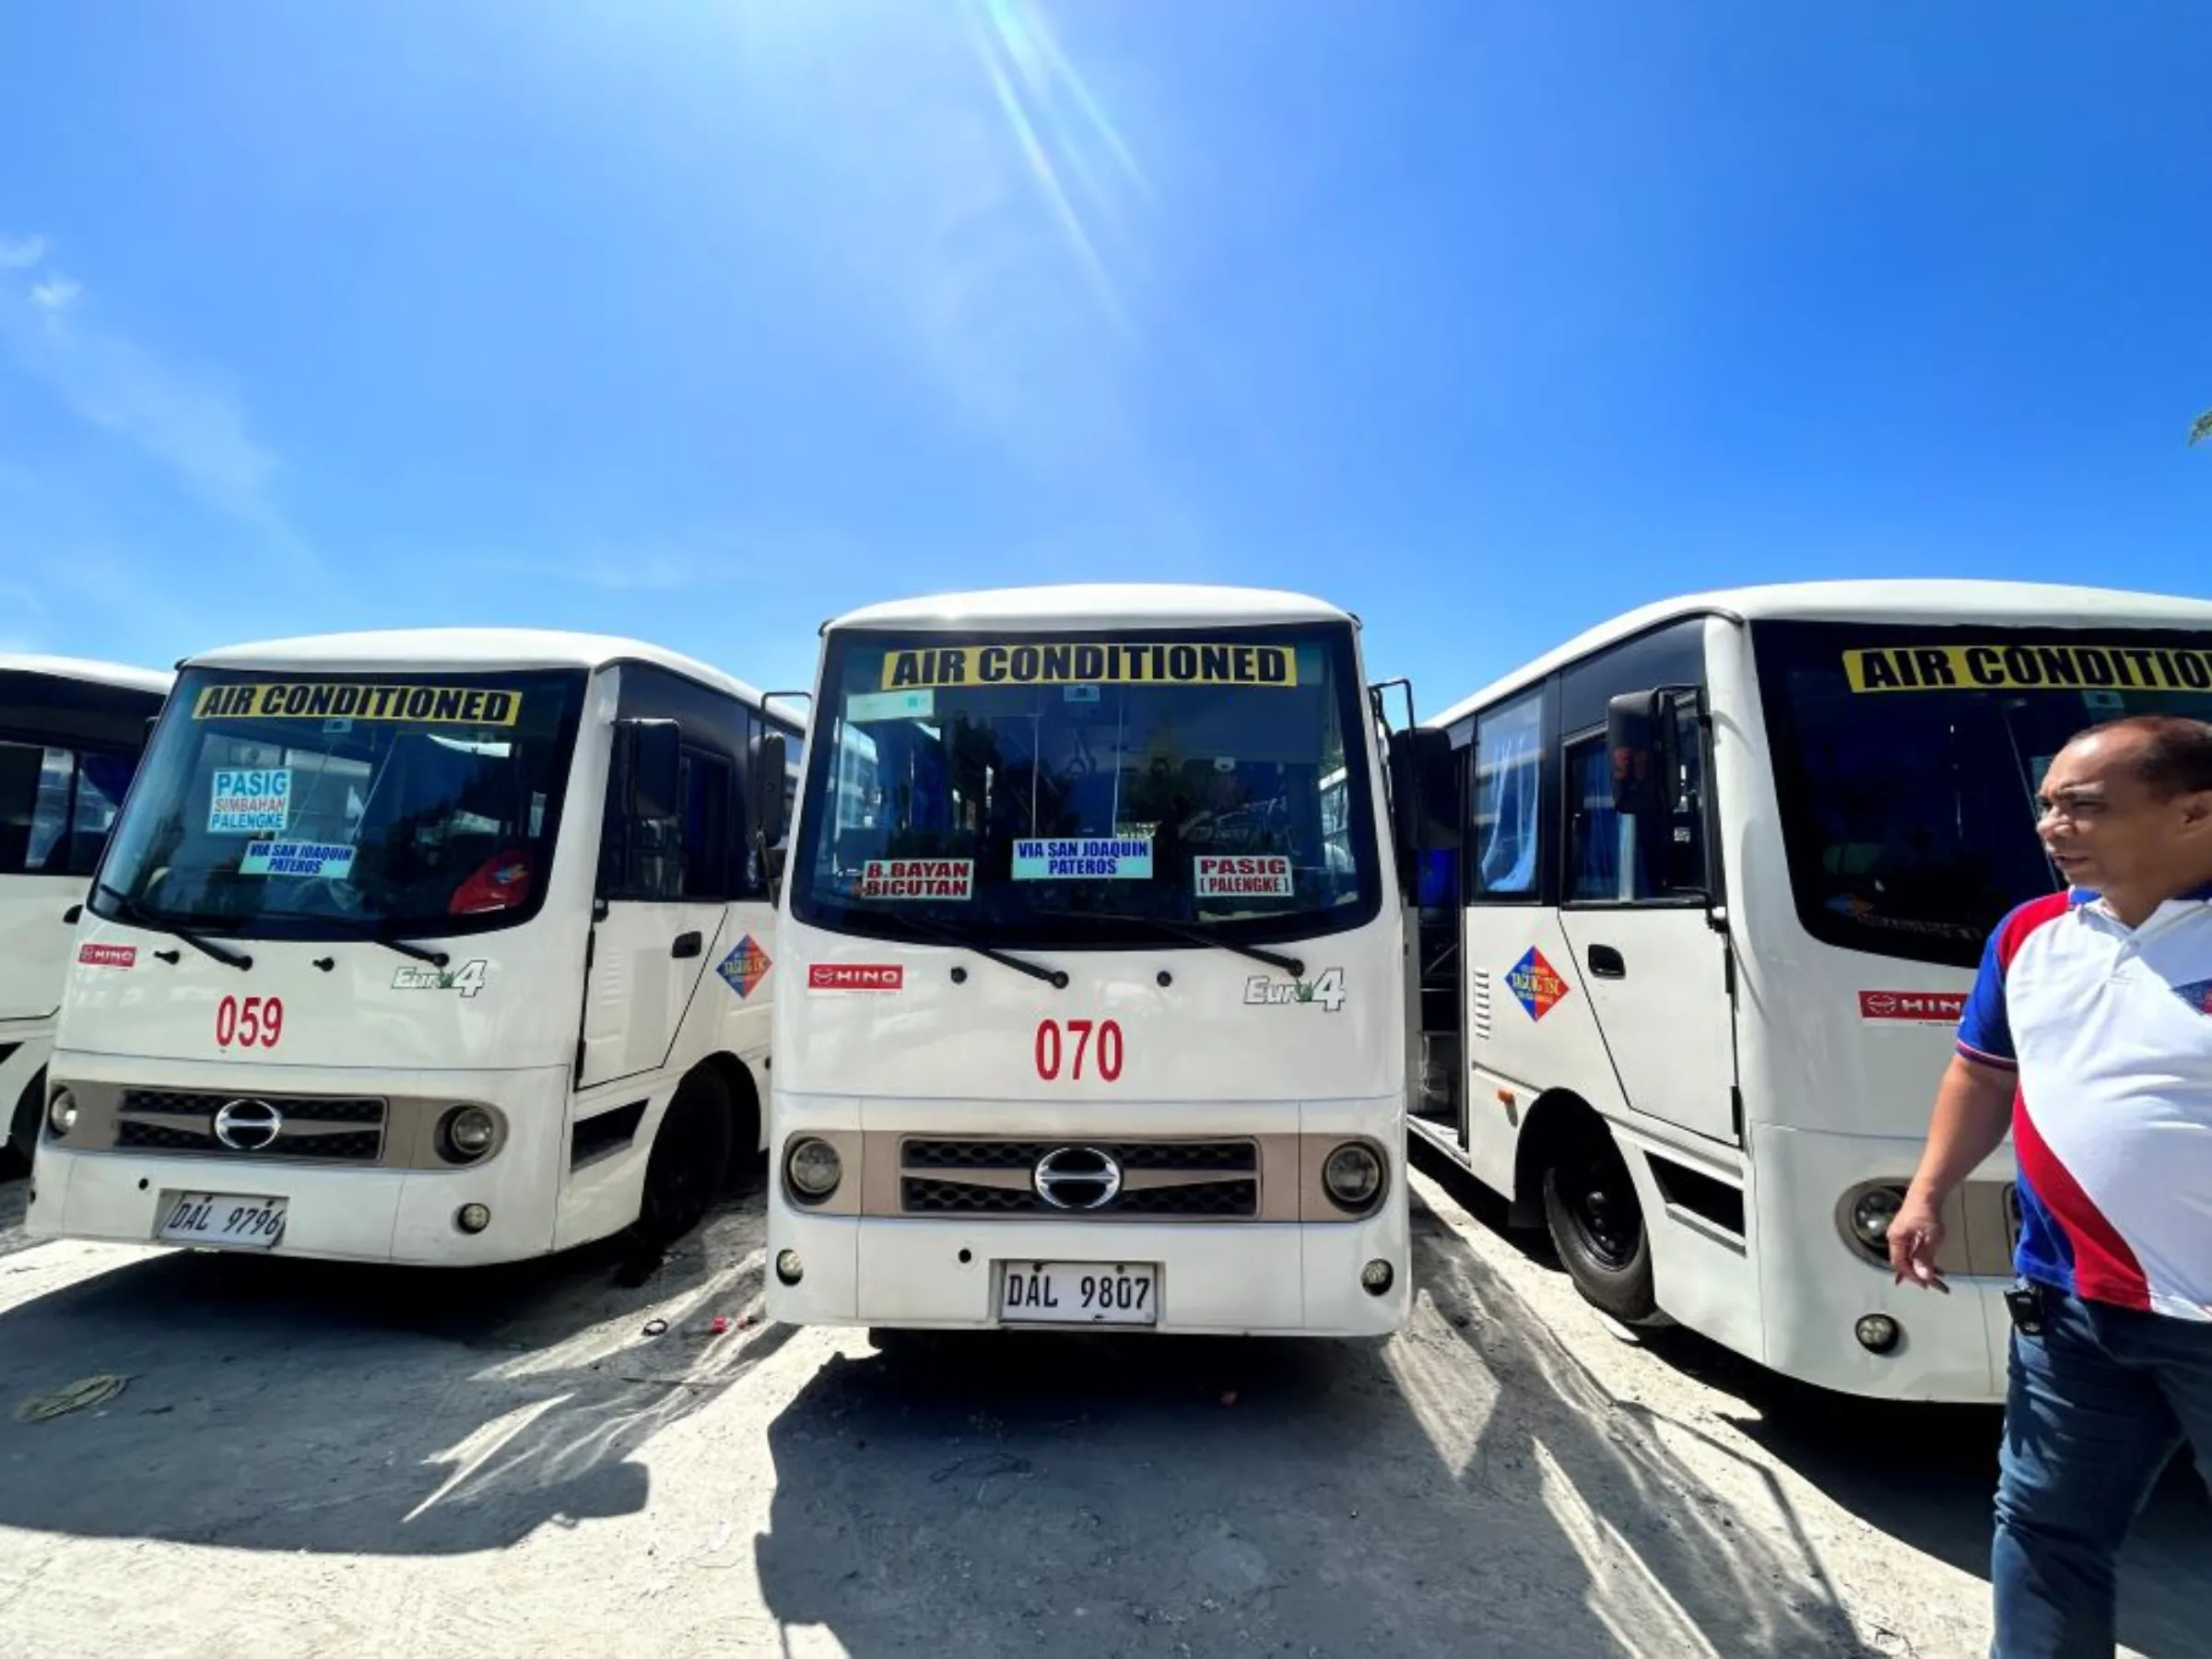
[334,1130]
[1159,1180]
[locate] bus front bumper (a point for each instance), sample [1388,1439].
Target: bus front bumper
[1228,1278]
[355,1212]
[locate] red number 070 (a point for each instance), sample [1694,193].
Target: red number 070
[1052,1049]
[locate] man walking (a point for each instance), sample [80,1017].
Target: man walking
[2090,1034]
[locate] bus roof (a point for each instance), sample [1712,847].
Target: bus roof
[121,676]
[463,650]
[1092,605]
[1917,599]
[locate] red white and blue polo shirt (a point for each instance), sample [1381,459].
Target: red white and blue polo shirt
[2111,1033]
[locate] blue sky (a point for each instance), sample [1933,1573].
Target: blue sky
[704,319]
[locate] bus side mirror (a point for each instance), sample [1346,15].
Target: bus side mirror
[1424,792]
[1637,741]
[765,810]
[649,752]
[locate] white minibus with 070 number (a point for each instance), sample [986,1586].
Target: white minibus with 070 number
[1096,1005]
[435,946]
[1730,866]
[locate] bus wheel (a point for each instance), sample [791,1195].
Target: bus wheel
[1596,1224]
[691,1157]
[23,1137]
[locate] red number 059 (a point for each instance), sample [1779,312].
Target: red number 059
[256,1022]
[1053,1049]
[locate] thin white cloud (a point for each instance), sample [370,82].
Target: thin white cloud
[183,419]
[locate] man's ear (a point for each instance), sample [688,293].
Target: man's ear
[2196,813]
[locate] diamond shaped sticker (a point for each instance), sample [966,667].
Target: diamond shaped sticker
[745,967]
[1536,984]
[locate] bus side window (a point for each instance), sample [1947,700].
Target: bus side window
[100,782]
[708,838]
[34,806]
[1508,794]
[1612,859]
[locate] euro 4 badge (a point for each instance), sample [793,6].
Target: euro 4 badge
[1536,984]
[745,967]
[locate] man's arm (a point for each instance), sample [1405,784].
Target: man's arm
[1973,1109]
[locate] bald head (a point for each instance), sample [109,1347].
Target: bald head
[2128,811]
[2169,755]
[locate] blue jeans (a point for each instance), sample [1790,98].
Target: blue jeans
[2098,1406]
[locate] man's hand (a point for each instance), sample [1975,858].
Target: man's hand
[1973,1108]
[1915,1237]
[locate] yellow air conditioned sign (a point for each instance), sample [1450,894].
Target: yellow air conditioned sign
[340,700]
[1093,665]
[1998,667]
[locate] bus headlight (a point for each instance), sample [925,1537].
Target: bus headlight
[61,1113]
[1871,1214]
[1353,1176]
[813,1169]
[466,1133]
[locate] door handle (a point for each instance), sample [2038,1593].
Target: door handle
[1606,963]
[687,944]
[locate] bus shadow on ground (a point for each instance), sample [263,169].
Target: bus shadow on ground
[1922,1474]
[312,1407]
[1460,1488]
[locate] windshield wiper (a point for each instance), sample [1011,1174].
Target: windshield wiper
[367,934]
[1293,966]
[944,933]
[129,909]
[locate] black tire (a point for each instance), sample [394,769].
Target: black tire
[1596,1223]
[23,1130]
[691,1159]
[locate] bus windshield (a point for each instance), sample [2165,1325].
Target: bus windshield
[1908,761]
[1086,788]
[323,807]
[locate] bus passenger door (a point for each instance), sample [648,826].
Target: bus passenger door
[1635,915]
[664,873]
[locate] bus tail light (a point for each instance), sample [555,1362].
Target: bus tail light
[499,883]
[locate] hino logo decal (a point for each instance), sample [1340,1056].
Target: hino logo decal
[1077,1178]
[248,1125]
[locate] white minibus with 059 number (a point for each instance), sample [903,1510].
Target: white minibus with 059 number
[1731,863]
[70,734]
[1095,1012]
[435,946]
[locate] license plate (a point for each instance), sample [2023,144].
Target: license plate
[227,1219]
[1122,1293]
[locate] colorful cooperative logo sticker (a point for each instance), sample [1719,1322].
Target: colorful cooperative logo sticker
[745,967]
[1535,984]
